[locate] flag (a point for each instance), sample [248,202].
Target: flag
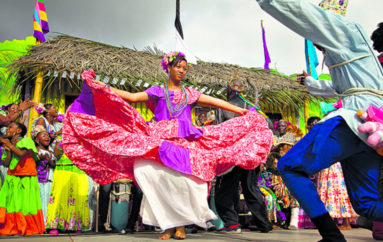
[177,22]
[311,59]
[180,43]
[40,21]
[265,50]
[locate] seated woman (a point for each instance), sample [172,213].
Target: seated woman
[20,205]
[171,160]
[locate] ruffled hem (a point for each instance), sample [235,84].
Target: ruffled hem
[17,223]
[68,202]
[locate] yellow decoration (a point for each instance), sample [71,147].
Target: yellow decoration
[36,98]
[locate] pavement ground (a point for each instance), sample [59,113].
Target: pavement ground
[307,235]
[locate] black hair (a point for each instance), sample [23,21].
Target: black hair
[177,60]
[311,120]
[319,47]
[22,127]
[6,108]
[46,106]
[377,38]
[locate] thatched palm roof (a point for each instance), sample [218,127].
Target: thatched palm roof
[137,70]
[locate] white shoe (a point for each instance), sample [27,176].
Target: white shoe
[294,219]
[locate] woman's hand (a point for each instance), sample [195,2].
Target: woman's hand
[58,150]
[100,83]
[301,77]
[243,111]
[5,142]
[127,96]
[46,156]
[26,104]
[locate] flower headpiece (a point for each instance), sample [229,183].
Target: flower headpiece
[40,108]
[337,6]
[60,118]
[168,58]
[289,138]
[235,84]
[275,125]
[36,130]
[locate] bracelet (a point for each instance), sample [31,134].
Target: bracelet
[59,148]
[10,147]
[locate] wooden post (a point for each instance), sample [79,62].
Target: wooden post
[97,205]
[306,110]
[36,97]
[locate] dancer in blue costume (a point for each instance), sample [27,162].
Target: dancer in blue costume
[357,77]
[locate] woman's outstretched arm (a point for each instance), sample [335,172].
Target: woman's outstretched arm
[219,103]
[128,96]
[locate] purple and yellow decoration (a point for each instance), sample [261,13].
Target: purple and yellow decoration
[40,21]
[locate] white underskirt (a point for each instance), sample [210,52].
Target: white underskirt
[171,199]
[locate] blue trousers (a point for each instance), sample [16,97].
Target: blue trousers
[325,144]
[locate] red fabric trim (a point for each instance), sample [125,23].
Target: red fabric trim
[234,226]
[25,167]
[3,211]
[17,223]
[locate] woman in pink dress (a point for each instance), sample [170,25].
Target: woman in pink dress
[170,159]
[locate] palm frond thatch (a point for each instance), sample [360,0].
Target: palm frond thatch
[137,70]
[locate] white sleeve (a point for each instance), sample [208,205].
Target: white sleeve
[320,87]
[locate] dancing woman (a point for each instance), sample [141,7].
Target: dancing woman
[170,159]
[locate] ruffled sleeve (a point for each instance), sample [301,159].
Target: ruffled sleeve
[27,144]
[193,95]
[155,92]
